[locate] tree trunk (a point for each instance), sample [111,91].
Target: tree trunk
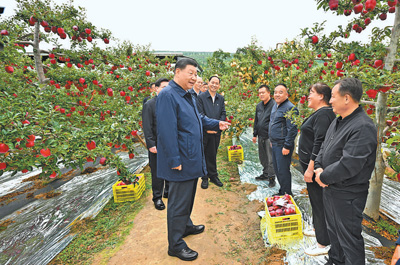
[375,189]
[36,55]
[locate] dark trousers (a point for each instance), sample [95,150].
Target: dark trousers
[315,193]
[180,205]
[265,156]
[343,214]
[211,143]
[282,169]
[157,184]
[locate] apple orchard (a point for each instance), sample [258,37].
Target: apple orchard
[68,106]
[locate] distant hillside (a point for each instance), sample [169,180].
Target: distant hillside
[200,57]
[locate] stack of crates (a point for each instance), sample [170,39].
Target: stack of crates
[236,154]
[286,228]
[130,192]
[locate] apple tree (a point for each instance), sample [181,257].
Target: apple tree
[77,102]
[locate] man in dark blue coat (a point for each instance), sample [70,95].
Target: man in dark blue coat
[150,134]
[180,154]
[212,104]
[282,132]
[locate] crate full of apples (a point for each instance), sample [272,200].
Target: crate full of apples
[284,221]
[235,153]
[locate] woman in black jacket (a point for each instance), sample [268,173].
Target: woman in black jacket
[313,132]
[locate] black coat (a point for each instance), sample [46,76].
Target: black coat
[348,153]
[262,118]
[313,131]
[213,110]
[149,121]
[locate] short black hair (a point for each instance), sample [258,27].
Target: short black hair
[323,89]
[160,80]
[351,86]
[264,86]
[182,63]
[209,79]
[282,84]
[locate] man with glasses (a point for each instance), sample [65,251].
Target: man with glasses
[212,105]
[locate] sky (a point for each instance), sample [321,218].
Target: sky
[208,25]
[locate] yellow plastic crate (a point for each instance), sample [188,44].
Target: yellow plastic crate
[235,155]
[129,192]
[286,228]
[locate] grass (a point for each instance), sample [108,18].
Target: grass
[103,234]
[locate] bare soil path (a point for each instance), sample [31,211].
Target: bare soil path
[232,234]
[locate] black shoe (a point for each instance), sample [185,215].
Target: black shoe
[262,177]
[186,254]
[159,204]
[204,184]
[165,195]
[194,230]
[272,182]
[216,181]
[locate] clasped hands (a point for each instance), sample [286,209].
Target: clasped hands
[318,172]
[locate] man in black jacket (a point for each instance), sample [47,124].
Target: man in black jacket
[150,133]
[343,168]
[261,124]
[212,105]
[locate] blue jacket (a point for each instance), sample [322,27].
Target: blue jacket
[282,131]
[180,135]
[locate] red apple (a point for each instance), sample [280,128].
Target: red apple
[91,145]
[106,41]
[378,63]
[53,175]
[367,21]
[333,4]
[358,8]
[392,9]
[314,39]
[148,73]
[4,148]
[4,32]
[88,31]
[103,160]
[131,156]
[9,69]
[352,57]
[383,16]
[3,166]
[45,152]
[392,3]
[370,5]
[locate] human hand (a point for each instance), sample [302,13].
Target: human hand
[153,150]
[178,167]
[308,176]
[254,139]
[285,151]
[318,172]
[396,255]
[211,132]
[223,125]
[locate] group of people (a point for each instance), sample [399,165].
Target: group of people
[182,124]
[337,152]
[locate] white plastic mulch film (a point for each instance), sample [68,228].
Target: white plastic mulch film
[250,168]
[41,229]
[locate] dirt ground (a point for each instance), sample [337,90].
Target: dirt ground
[232,234]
